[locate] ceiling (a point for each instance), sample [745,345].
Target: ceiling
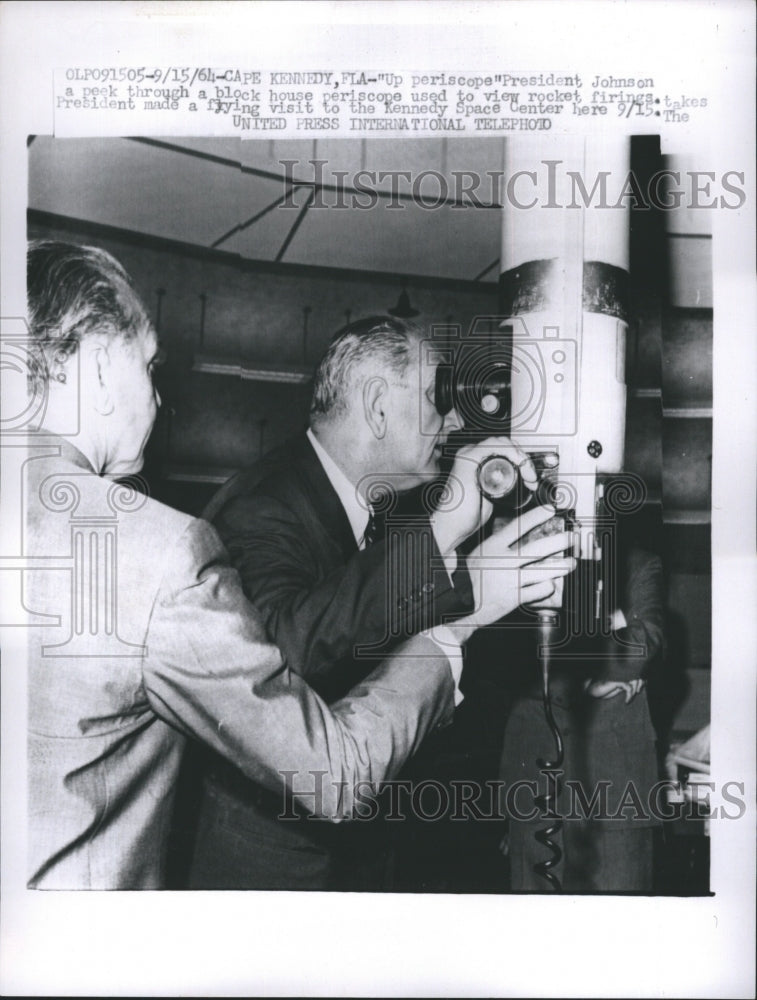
[242,197]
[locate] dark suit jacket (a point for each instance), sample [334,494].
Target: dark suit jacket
[333,610]
[139,636]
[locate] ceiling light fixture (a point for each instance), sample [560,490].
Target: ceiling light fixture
[403,309]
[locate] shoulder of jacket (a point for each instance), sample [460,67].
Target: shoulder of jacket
[275,475]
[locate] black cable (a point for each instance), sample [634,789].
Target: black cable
[549,768]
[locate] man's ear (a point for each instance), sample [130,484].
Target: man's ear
[374,404]
[97,363]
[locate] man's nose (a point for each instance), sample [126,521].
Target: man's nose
[452,422]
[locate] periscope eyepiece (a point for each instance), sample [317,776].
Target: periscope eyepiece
[497,477]
[499,480]
[478,387]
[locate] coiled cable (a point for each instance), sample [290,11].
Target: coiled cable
[551,769]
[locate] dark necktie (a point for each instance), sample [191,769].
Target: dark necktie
[376,527]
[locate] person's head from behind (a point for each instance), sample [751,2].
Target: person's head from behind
[373,402]
[95,352]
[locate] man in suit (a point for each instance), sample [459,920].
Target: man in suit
[140,634]
[301,528]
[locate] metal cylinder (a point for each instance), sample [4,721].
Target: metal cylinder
[497,477]
[563,295]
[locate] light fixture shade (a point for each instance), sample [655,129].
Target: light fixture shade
[403,309]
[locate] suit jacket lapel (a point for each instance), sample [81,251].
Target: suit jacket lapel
[323,497]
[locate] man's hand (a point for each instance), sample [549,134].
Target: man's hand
[505,572]
[464,509]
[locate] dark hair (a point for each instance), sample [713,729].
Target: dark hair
[356,351]
[73,291]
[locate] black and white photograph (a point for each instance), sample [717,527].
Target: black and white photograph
[379,503]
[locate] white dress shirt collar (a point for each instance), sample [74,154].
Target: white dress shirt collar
[355,508]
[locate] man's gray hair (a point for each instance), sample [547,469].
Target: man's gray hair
[73,291]
[356,351]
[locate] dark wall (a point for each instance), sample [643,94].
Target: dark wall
[669,428]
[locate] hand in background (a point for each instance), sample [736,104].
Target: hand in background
[611,689]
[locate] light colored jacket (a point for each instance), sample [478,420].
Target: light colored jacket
[142,636]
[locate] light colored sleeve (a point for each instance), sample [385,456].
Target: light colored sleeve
[448,643]
[211,672]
